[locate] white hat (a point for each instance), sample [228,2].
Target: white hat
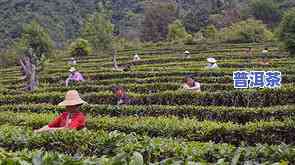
[211,60]
[72,98]
[187,52]
[72,69]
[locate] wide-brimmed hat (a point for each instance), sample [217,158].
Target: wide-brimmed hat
[72,98]
[187,52]
[72,69]
[211,60]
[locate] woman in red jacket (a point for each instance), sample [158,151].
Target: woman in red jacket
[72,118]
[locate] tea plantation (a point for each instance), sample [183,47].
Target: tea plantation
[165,125]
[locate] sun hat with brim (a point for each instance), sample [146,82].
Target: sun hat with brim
[72,69]
[72,98]
[211,60]
[187,52]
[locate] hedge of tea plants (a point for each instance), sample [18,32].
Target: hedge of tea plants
[164,124]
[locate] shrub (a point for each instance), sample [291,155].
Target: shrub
[80,47]
[246,32]
[249,98]
[101,143]
[189,40]
[209,32]
[239,115]
[176,31]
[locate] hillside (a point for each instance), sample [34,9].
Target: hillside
[64,18]
[164,123]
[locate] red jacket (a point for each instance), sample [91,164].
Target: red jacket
[78,121]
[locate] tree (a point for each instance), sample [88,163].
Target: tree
[246,32]
[35,44]
[266,10]
[80,47]
[209,32]
[286,31]
[157,16]
[196,19]
[98,30]
[177,31]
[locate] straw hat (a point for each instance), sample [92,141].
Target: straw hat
[72,69]
[187,52]
[72,98]
[211,60]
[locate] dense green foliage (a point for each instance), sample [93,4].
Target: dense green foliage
[216,113]
[35,37]
[157,17]
[64,19]
[80,47]
[98,31]
[246,32]
[210,32]
[196,19]
[286,31]
[100,143]
[176,31]
[266,10]
[165,124]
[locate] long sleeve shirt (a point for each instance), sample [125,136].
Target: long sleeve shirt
[123,100]
[196,87]
[76,77]
[211,66]
[75,120]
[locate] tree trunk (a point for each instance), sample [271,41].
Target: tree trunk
[23,64]
[30,71]
[33,82]
[115,64]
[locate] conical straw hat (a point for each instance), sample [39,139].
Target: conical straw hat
[72,98]
[72,69]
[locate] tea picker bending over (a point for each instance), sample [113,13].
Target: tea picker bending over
[74,76]
[136,58]
[72,118]
[121,95]
[212,63]
[264,57]
[187,54]
[72,61]
[191,85]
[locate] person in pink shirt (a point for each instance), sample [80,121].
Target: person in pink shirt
[74,76]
